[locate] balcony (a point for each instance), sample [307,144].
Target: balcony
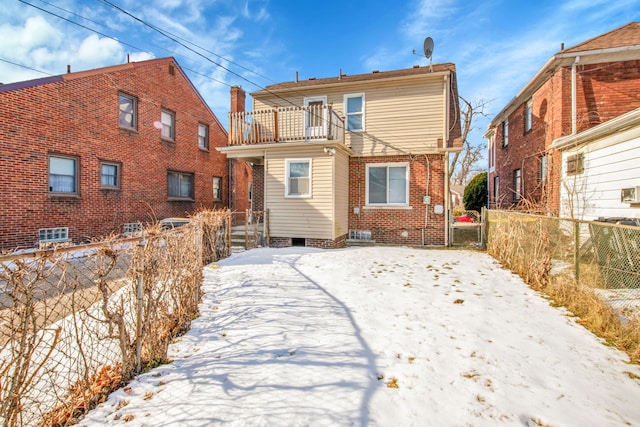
[286,124]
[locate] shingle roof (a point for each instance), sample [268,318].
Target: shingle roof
[627,35]
[375,75]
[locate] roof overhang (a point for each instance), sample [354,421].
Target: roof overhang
[559,60]
[255,153]
[610,127]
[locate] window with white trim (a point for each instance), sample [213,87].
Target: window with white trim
[203,136]
[354,112]
[168,120]
[127,111]
[505,133]
[298,178]
[528,115]
[217,188]
[63,175]
[180,185]
[496,190]
[517,185]
[110,175]
[544,169]
[387,184]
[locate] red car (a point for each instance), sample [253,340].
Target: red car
[463,218]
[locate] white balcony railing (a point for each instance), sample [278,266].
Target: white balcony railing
[286,124]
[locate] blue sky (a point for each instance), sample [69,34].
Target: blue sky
[497,46]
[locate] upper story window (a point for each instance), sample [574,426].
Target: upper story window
[492,152]
[128,111]
[528,115]
[217,188]
[354,111]
[575,164]
[505,133]
[63,175]
[517,185]
[110,175]
[168,120]
[388,184]
[203,136]
[180,185]
[298,178]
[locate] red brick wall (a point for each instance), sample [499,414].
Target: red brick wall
[603,91]
[400,226]
[79,117]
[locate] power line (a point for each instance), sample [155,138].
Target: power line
[25,66]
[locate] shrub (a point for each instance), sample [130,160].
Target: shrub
[475,194]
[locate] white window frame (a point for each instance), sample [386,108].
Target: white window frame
[388,165]
[168,130]
[288,177]
[517,185]
[76,175]
[544,168]
[315,131]
[203,140]
[217,188]
[496,190]
[528,115]
[505,132]
[131,124]
[118,167]
[358,113]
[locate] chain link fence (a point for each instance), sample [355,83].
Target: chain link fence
[77,322]
[591,267]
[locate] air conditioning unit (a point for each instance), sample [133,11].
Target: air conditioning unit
[630,195]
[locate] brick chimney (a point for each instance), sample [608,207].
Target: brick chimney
[238,96]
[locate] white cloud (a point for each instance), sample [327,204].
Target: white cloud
[95,51]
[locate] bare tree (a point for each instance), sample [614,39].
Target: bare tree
[464,162]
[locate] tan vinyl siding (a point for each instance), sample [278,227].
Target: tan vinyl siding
[300,217]
[401,117]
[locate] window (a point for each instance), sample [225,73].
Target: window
[387,184]
[505,133]
[51,235]
[217,188]
[575,164]
[168,120]
[110,175]
[528,115]
[315,116]
[203,136]
[496,189]
[63,175]
[517,182]
[354,110]
[128,111]
[298,178]
[180,185]
[543,169]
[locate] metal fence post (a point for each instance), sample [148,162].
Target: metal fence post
[576,254]
[140,285]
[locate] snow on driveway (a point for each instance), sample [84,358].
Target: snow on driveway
[378,336]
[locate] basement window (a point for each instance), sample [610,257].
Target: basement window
[53,235]
[359,235]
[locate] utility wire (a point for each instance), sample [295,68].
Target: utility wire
[24,66]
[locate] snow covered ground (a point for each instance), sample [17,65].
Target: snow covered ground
[378,336]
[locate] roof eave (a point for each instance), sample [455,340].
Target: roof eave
[625,53]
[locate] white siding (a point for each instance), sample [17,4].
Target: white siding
[608,167]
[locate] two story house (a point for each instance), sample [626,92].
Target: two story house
[351,158]
[90,153]
[535,141]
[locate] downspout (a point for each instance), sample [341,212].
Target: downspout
[573,97]
[447,199]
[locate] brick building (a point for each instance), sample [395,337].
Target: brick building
[90,153]
[578,88]
[352,158]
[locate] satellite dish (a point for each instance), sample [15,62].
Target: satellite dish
[428,47]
